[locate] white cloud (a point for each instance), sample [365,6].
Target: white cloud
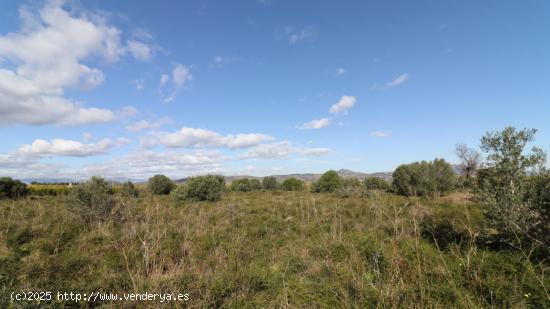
[398,80]
[87,137]
[139,50]
[144,124]
[129,111]
[380,133]
[345,103]
[139,84]
[306,34]
[315,124]
[193,137]
[220,61]
[180,76]
[45,57]
[340,71]
[280,150]
[70,148]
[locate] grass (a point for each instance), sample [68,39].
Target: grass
[267,250]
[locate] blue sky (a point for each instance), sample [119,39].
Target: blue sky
[132,88]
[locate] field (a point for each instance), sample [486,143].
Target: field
[267,250]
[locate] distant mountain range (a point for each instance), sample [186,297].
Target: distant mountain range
[308,177]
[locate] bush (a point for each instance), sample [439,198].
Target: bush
[329,182]
[11,188]
[93,199]
[160,185]
[375,183]
[245,185]
[424,178]
[48,189]
[269,183]
[128,189]
[292,184]
[350,187]
[200,188]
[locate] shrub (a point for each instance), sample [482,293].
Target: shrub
[93,199]
[375,183]
[48,189]
[200,188]
[329,182]
[11,188]
[423,178]
[128,189]
[350,187]
[269,183]
[160,185]
[245,185]
[292,184]
[515,204]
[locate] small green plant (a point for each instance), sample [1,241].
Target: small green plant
[433,178]
[200,188]
[329,182]
[160,185]
[292,184]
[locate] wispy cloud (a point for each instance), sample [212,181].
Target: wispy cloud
[340,71]
[315,124]
[398,80]
[343,105]
[151,125]
[281,149]
[307,34]
[380,133]
[171,84]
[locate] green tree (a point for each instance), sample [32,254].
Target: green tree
[269,183]
[505,190]
[11,188]
[160,185]
[330,181]
[200,188]
[241,185]
[424,178]
[375,183]
[128,189]
[93,199]
[292,184]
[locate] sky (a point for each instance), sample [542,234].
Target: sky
[129,89]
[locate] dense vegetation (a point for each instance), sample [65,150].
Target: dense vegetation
[343,243]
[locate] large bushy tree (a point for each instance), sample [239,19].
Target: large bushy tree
[11,188]
[160,185]
[330,181]
[424,178]
[512,187]
[200,188]
[269,183]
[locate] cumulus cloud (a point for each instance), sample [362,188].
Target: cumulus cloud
[196,137]
[380,133]
[398,80]
[280,150]
[151,125]
[315,124]
[69,148]
[45,57]
[344,104]
[172,84]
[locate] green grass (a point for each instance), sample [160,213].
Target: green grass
[262,249]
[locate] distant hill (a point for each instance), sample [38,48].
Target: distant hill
[309,177]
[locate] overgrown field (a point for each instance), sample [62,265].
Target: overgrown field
[268,249]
